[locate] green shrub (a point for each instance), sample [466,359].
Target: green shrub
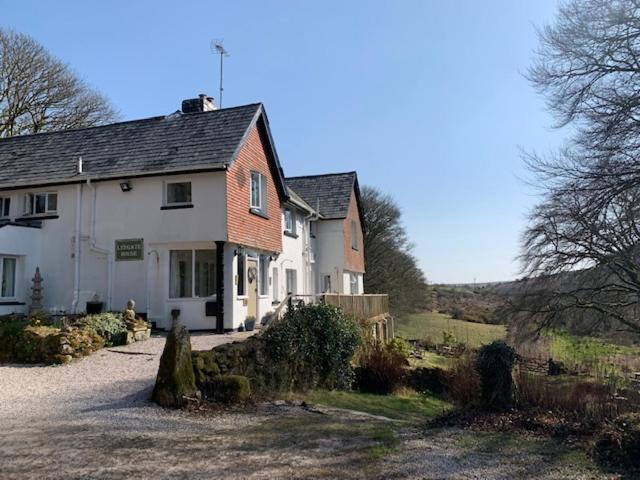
[495,363]
[314,346]
[229,389]
[382,370]
[10,337]
[427,380]
[37,344]
[109,326]
[397,344]
[618,444]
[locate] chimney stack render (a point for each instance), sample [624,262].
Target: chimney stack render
[203,103]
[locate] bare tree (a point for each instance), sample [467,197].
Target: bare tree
[390,266]
[588,67]
[39,93]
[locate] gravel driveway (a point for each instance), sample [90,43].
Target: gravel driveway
[92,420]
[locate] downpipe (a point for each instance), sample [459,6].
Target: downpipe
[76,251]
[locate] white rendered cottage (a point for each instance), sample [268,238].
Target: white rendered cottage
[189,212]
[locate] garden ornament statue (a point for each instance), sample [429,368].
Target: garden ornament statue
[36,293]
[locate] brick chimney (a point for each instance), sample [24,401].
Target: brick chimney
[201,104]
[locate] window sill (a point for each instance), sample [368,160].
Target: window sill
[176,207]
[355,249]
[290,234]
[37,217]
[258,213]
[6,303]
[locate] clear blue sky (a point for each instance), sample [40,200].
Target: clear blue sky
[425,99]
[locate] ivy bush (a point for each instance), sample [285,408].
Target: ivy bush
[109,326]
[317,343]
[494,364]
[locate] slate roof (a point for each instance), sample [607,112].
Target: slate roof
[330,193]
[173,143]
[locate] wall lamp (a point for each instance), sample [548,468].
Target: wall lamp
[238,251]
[126,186]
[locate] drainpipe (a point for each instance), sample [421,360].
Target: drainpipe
[148,289]
[94,248]
[76,252]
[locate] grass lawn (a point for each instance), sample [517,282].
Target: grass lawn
[432,360]
[430,325]
[410,408]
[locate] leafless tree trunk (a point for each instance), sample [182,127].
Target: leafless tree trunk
[39,93]
[588,67]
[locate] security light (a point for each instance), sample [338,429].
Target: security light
[125,186]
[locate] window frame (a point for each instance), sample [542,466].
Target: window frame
[326,282]
[291,230]
[242,276]
[5,207]
[275,287]
[354,235]
[193,295]
[165,199]
[15,277]
[263,276]
[353,280]
[293,291]
[29,209]
[261,183]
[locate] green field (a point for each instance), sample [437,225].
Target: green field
[430,326]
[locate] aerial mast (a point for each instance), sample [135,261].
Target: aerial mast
[218,49]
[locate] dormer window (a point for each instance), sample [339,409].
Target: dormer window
[5,207]
[40,203]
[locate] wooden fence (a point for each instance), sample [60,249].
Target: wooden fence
[362,307]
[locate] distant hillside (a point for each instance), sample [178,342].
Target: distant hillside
[466,302]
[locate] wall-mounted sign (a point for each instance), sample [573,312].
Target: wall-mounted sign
[129,249]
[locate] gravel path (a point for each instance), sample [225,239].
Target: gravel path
[92,420]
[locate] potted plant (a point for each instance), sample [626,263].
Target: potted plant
[94,305]
[241,327]
[250,323]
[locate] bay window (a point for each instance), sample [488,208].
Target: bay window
[192,273]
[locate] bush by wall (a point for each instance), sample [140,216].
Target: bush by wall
[312,346]
[317,343]
[494,363]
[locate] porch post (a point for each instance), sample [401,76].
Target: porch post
[220,286]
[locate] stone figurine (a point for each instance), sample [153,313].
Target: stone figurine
[36,293]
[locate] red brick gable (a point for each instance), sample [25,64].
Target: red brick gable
[353,259]
[243,227]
